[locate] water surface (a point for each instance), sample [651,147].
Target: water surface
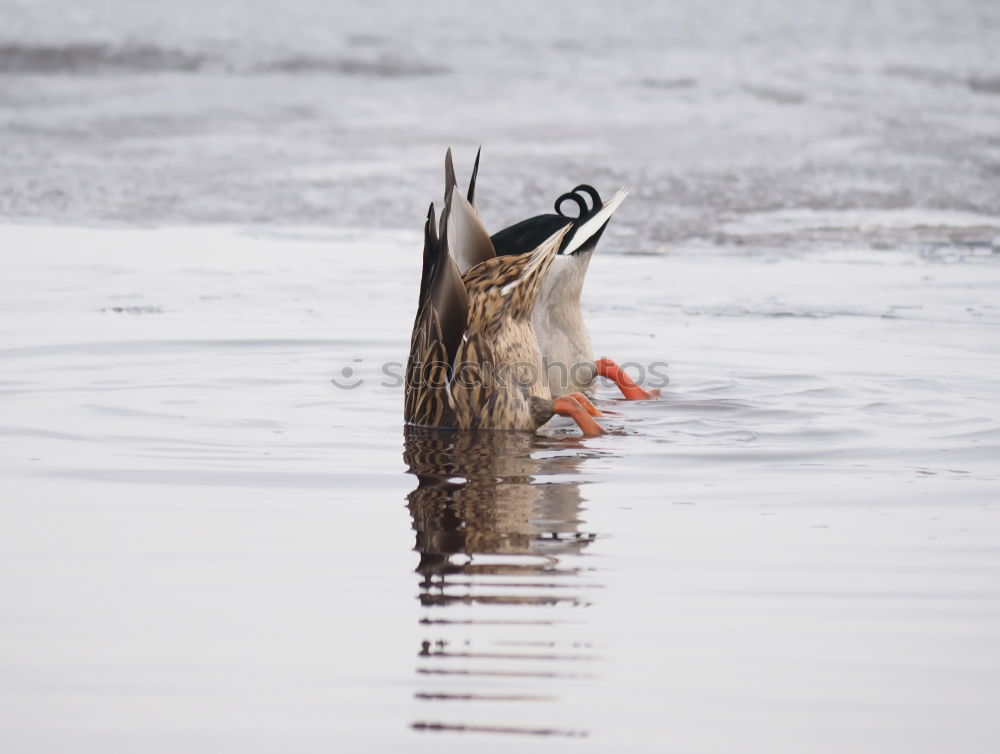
[207,544]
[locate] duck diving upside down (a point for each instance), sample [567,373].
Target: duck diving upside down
[499,341]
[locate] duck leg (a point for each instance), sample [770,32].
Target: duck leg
[631,391]
[568,405]
[584,401]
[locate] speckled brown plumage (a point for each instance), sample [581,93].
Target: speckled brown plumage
[437,331]
[498,367]
[474,358]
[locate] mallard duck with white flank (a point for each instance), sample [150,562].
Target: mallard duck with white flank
[558,321]
[475,361]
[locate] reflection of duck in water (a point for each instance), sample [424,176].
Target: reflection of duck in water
[481,494]
[497,517]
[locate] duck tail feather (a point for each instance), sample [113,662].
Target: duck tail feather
[468,240]
[449,174]
[595,224]
[430,250]
[438,328]
[472,181]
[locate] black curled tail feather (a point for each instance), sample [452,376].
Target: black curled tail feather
[595,198]
[524,236]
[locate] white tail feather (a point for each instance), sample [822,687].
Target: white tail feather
[596,222]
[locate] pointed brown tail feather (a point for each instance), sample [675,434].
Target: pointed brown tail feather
[437,332]
[467,239]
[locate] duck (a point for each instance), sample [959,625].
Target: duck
[570,366]
[475,361]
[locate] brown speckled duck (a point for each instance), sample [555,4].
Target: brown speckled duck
[474,358]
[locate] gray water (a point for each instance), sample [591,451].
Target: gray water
[215,532]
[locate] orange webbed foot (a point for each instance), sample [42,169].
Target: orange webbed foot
[584,401]
[568,405]
[631,391]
